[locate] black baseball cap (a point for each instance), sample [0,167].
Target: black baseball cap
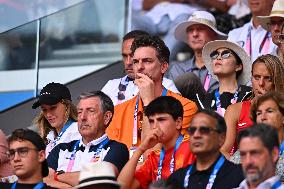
[51,94]
[35,139]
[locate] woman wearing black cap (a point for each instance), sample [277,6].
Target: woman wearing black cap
[58,118]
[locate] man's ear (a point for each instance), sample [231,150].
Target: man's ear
[179,123]
[164,67]
[275,154]
[41,155]
[107,117]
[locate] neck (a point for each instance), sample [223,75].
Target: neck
[255,21]
[204,161]
[228,84]
[198,59]
[88,139]
[170,144]
[158,89]
[31,179]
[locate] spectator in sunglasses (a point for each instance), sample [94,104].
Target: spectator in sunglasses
[229,64]
[211,169]
[274,23]
[26,152]
[267,75]
[123,89]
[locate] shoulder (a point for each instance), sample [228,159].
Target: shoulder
[118,146]
[235,33]
[110,85]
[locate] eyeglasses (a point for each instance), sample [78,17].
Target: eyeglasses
[22,152]
[202,130]
[224,54]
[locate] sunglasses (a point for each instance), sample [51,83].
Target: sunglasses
[122,89]
[203,130]
[224,54]
[22,152]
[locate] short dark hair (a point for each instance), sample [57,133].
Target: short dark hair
[106,102]
[165,104]
[35,139]
[267,134]
[133,34]
[162,51]
[220,121]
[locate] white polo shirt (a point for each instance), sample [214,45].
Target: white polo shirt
[259,46]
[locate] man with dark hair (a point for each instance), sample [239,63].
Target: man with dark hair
[150,62]
[259,150]
[211,169]
[95,111]
[27,157]
[165,115]
[122,89]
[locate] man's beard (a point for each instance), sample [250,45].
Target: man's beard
[254,177]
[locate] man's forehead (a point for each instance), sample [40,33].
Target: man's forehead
[89,102]
[194,26]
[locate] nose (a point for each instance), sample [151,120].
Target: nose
[196,134]
[195,32]
[16,157]
[246,160]
[128,60]
[82,115]
[139,65]
[261,82]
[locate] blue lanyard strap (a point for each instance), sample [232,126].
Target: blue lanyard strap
[100,148]
[172,162]
[76,145]
[218,99]
[212,177]
[38,186]
[281,150]
[65,127]
[164,93]
[276,184]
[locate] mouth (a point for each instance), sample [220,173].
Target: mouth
[197,144]
[16,167]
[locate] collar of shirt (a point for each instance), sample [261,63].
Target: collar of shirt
[268,183]
[93,142]
[207,171]
[255,28]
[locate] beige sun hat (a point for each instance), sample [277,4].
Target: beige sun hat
[245,76]
[97,173]
[198,17]
[277,11]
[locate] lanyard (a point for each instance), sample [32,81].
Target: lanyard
[65,127]
[281,150]
[94,159]
[172,162]
[38,186]
[207,81]
[125,83]
[218,100]
[265,42]
[135,123]
[276,185]
[212,177]
[99,149]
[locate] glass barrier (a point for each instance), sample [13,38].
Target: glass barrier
[72,43]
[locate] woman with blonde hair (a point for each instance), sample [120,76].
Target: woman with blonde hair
[267,75]
[57,120]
